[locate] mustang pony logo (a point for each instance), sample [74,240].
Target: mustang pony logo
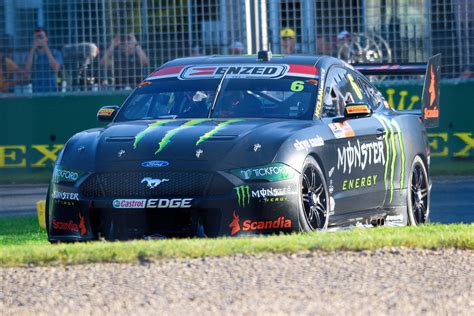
[153,183]
[235,224]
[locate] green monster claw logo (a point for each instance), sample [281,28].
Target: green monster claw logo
[391,147]
[219,127]
[147,130]
[243,195]
[171,133]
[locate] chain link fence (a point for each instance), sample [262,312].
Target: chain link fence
[68,46]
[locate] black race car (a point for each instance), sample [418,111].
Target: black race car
[232,146]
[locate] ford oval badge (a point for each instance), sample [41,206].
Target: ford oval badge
[155,164]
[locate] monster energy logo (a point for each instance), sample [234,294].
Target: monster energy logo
[171,133]
[391,147]
[243,195]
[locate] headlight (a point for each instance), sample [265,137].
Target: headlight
[271,172]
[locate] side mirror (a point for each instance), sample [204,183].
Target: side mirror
[107,113]
[357,110]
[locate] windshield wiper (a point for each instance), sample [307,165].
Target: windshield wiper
[218,91]
[171,116]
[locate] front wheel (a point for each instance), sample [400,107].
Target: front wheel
[314,199]
[418,194]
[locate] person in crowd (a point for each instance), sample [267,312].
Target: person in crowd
[237,48]
[127,59]
[288,41]
[8,71]
[43,63]
[324,46]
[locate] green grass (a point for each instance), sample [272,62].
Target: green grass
[22,243]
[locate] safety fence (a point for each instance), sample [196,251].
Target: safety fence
[68,46]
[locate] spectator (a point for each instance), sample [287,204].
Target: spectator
[237,48]
[8,69]
[288,41]
[127,59]
[43,63]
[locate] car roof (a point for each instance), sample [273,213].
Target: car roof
[252,59]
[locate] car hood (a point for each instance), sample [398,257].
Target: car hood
[194,143]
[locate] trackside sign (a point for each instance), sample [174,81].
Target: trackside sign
[234,71]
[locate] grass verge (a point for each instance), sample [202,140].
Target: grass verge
[22,243]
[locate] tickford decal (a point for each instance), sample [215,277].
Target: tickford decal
[243,195]
[171,133]
[216,129]
[272,172]
[389,126]
[355,155]
[61,174]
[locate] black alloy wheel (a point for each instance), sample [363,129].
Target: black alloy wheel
[314,197]
[418,193]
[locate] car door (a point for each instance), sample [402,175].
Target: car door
[357,151]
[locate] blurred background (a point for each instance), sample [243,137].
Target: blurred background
[63,59]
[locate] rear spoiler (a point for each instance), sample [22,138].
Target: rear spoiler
[431,87]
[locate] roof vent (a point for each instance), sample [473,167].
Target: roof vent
[264,55]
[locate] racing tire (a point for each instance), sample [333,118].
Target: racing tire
[314,198]
[418,194]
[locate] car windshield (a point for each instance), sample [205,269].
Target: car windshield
[284,98]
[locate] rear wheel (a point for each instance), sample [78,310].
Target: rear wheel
[418,194]
[314,205]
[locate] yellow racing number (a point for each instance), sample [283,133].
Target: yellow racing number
[297,86]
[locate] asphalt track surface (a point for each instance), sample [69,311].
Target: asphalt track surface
[452,199]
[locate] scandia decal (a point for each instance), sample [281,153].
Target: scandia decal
[251,225]
[71,225]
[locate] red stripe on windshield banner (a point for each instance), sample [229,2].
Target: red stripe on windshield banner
[167,71]
[296,69]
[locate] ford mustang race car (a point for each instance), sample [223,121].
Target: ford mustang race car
[232,146]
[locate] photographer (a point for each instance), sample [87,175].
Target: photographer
[127,60]
[43,63]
